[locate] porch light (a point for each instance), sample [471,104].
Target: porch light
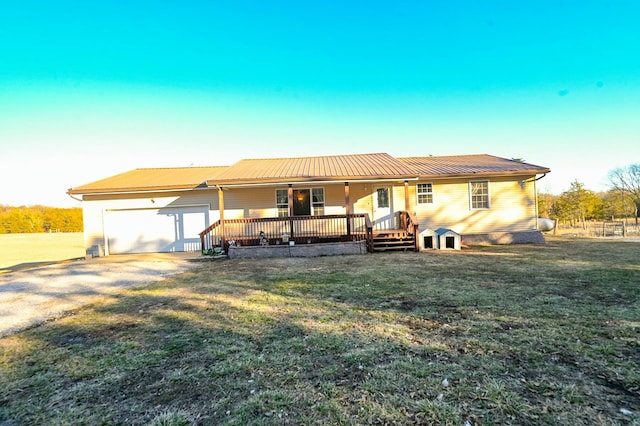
[301,196]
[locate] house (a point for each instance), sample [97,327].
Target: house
[378,199]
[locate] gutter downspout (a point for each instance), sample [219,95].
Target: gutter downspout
[535,193]
[535,197]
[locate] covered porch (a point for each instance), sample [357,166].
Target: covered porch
[296,230]
[314,201]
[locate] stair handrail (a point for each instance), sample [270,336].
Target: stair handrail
[209,230]
[369,225]
[411,225]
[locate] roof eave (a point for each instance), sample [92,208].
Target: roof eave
[484,174]
[136,190]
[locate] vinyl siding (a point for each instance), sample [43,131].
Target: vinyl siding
[512,206]
[260,201]
[94,207]
[361,198]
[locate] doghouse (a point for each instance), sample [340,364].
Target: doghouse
[428,240]
[448,239]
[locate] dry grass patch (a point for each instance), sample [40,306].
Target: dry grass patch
[491,335]
[22,250]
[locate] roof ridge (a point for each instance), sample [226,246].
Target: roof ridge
[315,156]
[174,168]
[446,156]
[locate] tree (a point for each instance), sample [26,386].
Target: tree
[545,204]
[578,204]
[617,204]
[627,181]
[15,220]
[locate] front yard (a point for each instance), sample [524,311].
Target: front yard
[490,335]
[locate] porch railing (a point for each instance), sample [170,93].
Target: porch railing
[280,230]
[409,223]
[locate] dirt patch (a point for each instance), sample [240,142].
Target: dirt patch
[33,296]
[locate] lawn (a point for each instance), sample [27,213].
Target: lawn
[516,334]
[22,250]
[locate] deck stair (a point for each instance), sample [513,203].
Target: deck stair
[393,240]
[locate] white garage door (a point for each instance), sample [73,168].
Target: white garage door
[155,230]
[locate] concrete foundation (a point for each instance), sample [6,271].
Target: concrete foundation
[298,250]
[524,237]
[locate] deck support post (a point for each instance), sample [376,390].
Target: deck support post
[347,207]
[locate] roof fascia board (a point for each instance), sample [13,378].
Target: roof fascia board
[141,191]
[484,174]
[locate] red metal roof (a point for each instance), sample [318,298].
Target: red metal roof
[337,168]
[151,179]
[469,165]
[329,168]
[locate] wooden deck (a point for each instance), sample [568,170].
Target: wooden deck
[310,230]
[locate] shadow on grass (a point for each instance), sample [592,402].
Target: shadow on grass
[408,338]
[32,265]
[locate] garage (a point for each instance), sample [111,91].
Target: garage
[162,230]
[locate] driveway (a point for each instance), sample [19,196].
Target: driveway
[33,296]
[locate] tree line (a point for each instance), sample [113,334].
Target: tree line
[579,204]
[19,220]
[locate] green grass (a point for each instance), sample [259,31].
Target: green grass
[490,335]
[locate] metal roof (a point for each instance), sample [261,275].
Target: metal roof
[329,168]
[159,179]
[469,165]
[357,167]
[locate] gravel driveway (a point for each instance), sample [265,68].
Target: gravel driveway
[36,295]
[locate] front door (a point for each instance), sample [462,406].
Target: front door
[383,208]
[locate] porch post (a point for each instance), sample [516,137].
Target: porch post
[403,217]
[347,206]
[221,209]
[290,194]
[406,196]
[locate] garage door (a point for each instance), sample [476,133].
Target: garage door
[155,230]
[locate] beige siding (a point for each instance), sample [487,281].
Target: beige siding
[334,199]
[94,207]
[512,207]
[361,198]
[512,204]
[249,202]
[260,201]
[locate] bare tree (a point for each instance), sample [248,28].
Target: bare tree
[627,181]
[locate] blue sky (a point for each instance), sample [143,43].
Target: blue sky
[91,89]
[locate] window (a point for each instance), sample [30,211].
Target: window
[318,201]
[383,198]
[282,202]
[425,193]
[479,192]
[305,202]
